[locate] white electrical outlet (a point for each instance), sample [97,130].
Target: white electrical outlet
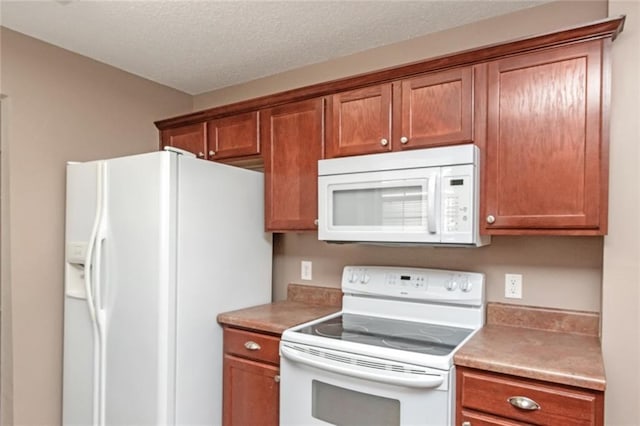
[305,270]
[513,286]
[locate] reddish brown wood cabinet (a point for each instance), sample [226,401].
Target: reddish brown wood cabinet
[483,398]
[292,136]
[190,138]
[250,378]
[233,136]
[359,121]
[436,109]
[537,107]
[546,154]
[429,110]
[229,139]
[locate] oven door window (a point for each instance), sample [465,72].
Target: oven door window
[342,407]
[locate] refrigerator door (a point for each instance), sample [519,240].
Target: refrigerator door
[138,291]
[224,263]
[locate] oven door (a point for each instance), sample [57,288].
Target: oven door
[327,387]
[384,206]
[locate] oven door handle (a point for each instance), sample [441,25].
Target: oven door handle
[382,376]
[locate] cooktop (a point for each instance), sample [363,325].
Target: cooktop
[410,336]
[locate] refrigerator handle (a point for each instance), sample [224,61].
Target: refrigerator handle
[89,287]
[98,295]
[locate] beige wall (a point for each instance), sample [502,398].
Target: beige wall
[621,272]
[62,107]
[557,272]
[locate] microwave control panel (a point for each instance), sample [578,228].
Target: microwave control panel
[457,189]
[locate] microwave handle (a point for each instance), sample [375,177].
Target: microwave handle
[431,204]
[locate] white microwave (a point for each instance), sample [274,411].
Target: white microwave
[427,196]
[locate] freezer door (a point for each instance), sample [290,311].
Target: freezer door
[78,362]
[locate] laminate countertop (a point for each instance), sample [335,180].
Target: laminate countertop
[538,343]
[304,303]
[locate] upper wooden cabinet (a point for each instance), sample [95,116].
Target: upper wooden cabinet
[292,137]
[190,138]
[436,109]
[233,136]
[537,108]
[429,110]
[359,121]
[224,139]
[546,151]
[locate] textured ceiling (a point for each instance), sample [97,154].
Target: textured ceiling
[198,46]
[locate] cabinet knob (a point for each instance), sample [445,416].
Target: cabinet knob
[384,142]
[201,155]
[466,423]
[491,218]
[276,378]
[523,403]
[251,345]
[315,222]
[212,153]
[404,140]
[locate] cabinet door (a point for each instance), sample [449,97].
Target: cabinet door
[359,121]
[234,136]
[292,137]
[190,138]
[436,109]
[474,418]
[546,159]
[482,391]
[251,393]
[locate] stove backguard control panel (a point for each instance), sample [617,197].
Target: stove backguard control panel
[437,285]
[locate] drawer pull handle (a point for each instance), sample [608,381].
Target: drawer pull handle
[252,346]
[523,403]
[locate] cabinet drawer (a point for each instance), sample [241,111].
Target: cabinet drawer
[489,393]
[251,345]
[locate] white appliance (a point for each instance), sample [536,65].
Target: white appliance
[425,196]
[156,246]
[387,358]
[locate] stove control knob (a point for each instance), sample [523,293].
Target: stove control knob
[466,286]
[452,285]
[364,279]
[354,277]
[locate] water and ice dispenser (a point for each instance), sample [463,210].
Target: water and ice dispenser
[76,253]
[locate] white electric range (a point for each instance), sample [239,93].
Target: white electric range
[387,357]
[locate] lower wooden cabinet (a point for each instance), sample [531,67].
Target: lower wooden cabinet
[485,398]
[251,378]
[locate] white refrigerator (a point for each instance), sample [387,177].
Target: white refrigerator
[156,246]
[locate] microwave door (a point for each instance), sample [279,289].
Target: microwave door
[388,206]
